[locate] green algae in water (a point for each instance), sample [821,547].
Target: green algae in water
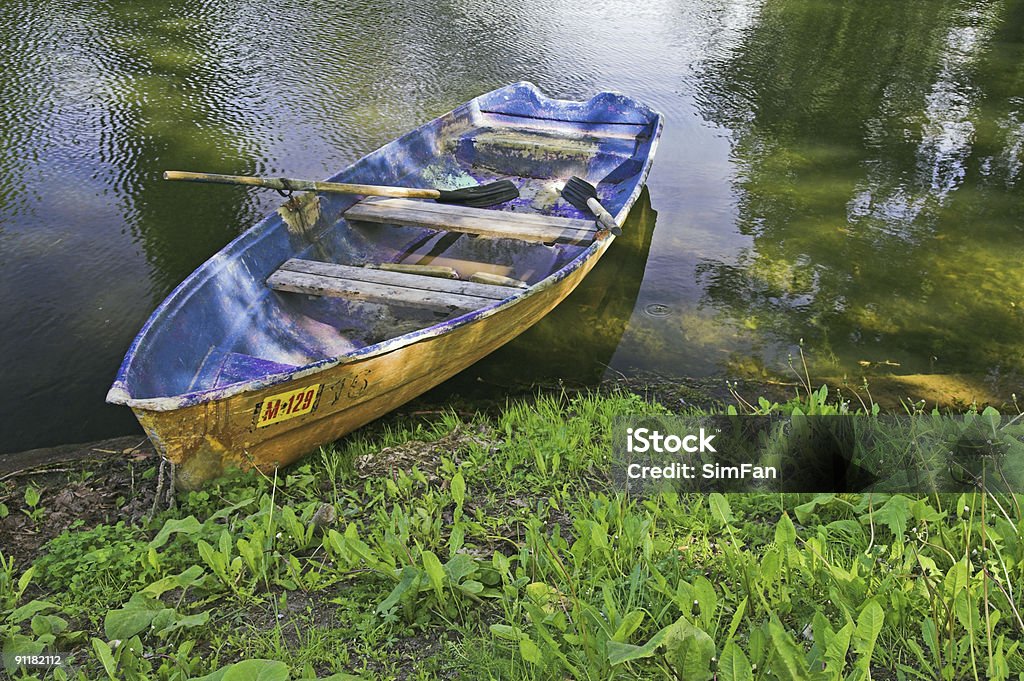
[446,174]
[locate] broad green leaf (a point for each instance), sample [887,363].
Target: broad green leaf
[598,535]
[126,622]
[19,644]
[791,665]
[538,617]
[459,567]
[187,526]
[217,675]
[991,418]
[163,619]
[185,622]
[456,539]
[785,533]
[771,565]
[1008,532]
[619,652]
[957,578]
[630,623]
[540,593]
[626,652]
[928,566]
[929,634]
[352,548]
[105,656]
[737,619]
[734,665]
[507,632]
[720,509]
[212,558]
[458,489]
[410,576]
[225,545]
[821,628]
[707,599]
[869,625]
[24,580]
[435,572]
[689,650]
[966,611]
[32,496]
[229,510]
[758,646]
[838,647]
[182,580]
[894,514]
[48,624]
[922,511]
[998,667]
[29,610]
[963,504]
[806,512]
[529,650]
[471,586]
[257,670]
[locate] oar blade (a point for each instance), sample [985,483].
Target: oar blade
[481,196]
[576,191]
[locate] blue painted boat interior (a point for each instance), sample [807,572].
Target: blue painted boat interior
[223,326]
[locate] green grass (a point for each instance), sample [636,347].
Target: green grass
[500,548]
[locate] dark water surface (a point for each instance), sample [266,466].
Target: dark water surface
[848,174]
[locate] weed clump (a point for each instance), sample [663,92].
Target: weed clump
[502,548]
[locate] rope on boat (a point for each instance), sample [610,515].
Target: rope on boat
[286,187]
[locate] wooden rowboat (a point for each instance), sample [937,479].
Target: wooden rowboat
[337,309]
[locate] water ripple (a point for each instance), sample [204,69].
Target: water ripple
[809,148]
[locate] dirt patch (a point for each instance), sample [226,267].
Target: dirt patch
[426,456]
[81,485]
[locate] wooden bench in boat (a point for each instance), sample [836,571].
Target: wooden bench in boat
[384,286]
[455,218]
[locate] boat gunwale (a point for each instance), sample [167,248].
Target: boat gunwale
[120,394]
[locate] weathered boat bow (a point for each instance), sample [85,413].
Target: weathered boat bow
[336,309]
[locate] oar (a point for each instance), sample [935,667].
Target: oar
[479,196]
[583,196]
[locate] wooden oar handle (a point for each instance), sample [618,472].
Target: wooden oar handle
[289,184]
[604,218]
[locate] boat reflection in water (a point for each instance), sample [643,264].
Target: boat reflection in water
[574,344]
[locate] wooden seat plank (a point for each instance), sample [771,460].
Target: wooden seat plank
[456,218]
[396,278]
[384,286]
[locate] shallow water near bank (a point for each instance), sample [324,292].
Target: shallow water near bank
[845,176]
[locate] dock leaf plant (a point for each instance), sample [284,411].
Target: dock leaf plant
[511,554]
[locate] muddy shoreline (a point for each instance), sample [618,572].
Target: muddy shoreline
[117,479]
[953,391]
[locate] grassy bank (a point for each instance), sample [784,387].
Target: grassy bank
[499,547]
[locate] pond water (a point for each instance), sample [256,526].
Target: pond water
[843,175]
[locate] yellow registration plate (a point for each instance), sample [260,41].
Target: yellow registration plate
[284,406]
